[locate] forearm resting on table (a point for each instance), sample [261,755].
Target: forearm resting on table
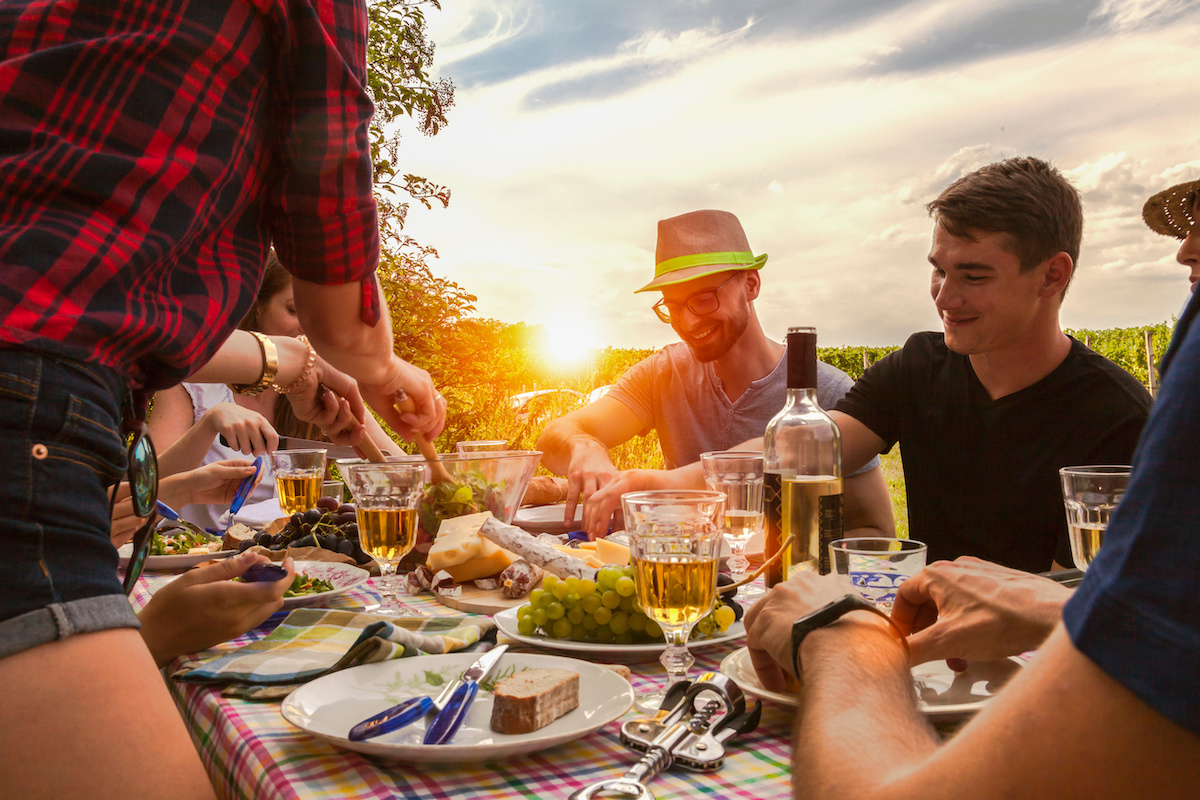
[858,724]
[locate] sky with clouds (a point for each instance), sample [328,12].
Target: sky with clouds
[825,125]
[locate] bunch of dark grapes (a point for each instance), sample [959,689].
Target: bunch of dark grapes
[331,525]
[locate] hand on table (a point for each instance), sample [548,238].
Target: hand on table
[203,607]
[246,431]
[769,623]
[977,610]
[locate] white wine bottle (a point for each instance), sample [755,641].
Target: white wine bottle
[802,461]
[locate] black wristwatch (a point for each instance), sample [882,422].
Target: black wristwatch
[829,614]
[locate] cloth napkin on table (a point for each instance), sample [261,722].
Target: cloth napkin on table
[311,642]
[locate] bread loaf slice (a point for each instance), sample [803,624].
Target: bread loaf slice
[532,699]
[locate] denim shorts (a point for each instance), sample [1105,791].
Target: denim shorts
[62,449]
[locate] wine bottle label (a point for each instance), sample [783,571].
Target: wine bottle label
[773,524]
[831,527]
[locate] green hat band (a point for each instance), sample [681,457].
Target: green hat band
[743,260]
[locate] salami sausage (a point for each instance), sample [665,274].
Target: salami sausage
[519,579]
[536,552]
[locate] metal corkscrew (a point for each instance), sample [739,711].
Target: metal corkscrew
[681,734]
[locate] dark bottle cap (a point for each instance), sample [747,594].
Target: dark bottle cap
[802,358]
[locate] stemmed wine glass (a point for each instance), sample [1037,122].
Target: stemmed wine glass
[386,498]
[675,541]
[738,474]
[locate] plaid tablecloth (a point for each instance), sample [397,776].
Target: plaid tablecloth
[251,752]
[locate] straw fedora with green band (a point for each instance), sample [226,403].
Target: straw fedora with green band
[1170,211]
[700,243]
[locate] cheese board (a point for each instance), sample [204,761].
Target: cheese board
[474,600]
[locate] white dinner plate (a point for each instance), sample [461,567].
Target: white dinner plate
[332,704]
[547,519]
[170,563]
[941,692]
[506,621]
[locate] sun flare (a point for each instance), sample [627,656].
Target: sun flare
[570,341]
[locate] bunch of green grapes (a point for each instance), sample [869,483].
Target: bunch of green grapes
[604,611]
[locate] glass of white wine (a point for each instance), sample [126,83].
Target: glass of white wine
[386,498]
[675,541]
[299,475]
[738,474]
[1090,495]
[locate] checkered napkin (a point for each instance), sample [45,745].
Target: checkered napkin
[311,642]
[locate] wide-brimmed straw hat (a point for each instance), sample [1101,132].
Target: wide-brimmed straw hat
[700,243]
[1170,211]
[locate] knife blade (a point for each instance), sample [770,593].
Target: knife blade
[450,718]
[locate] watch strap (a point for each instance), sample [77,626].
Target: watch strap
[830,613]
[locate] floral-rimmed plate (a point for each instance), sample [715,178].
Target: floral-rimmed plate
[344,577]
[506,621]
[941,692]
[332,704]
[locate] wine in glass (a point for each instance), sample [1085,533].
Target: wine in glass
[675,540]
[1090,495]
[739,475]
[299,475]
[386,497]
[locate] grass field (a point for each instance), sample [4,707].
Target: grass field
[893,474]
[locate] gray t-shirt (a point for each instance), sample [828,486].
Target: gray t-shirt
[682,399]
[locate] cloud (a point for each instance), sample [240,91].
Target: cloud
[827,166]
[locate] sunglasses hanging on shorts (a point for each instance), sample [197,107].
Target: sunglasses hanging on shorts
[142,474]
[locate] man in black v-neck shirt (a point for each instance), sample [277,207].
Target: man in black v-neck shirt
[988,411]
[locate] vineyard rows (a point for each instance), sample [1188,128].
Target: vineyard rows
[1124,346]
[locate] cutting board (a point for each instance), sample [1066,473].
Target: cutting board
[481,601]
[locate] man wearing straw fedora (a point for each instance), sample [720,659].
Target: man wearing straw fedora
[717,388]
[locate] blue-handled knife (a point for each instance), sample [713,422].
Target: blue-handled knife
[414,708]
[450,718]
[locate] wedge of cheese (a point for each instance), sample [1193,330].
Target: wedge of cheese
[587,556]
[611,552]
[462,552]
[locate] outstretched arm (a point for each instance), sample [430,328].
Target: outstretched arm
[577,445]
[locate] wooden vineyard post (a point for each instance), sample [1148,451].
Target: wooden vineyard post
[1151,372]
[866,360]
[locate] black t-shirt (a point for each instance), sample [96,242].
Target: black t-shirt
[982,474]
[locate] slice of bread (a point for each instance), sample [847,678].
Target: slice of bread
[533,699]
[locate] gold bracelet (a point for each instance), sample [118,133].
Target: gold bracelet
[304,373]
[270,366]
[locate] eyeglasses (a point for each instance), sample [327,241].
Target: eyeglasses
[700,304]
[142,473]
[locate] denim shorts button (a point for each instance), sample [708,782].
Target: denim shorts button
[40,451]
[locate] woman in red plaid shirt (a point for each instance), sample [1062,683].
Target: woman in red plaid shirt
[150,154]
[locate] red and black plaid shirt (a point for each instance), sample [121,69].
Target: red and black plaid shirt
[151,152]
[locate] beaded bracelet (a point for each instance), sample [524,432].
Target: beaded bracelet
[270,367]
[304,373]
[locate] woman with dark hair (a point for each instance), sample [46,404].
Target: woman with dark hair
[201,423]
